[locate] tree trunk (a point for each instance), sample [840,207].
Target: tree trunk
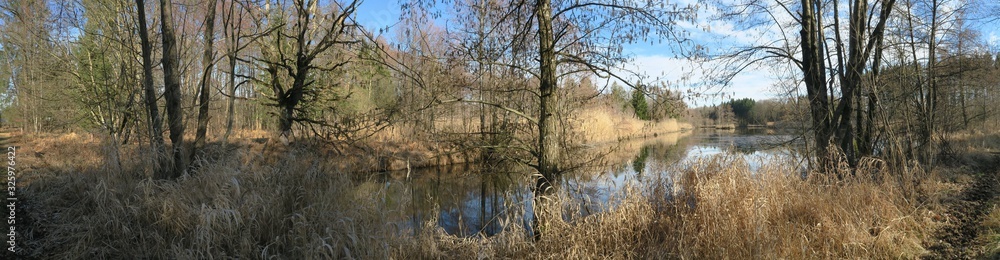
[814,70]
[930,125]
[290,100]
[153,113]
[171,89]
[232,96]
[203,93]
[285,119]
[548,124]
[850,82]
[232,40]
[230,111]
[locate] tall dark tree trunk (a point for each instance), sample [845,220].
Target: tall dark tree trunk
[814,70]
[152,110]
[860,48]
[231,88]
[845,125]
[303,62]
[232,42]
[876,45]
[850,81]
[172,89]
[291,100]
[203,94]
[930,123]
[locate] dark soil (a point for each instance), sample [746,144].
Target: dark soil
[959,239]
[20,221]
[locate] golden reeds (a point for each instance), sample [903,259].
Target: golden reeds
[253,203]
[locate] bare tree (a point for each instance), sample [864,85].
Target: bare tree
[310,33]
[172,91]
[149,93]
[552,40]
[207,63]
[233,20]
[34,40]
[828,62]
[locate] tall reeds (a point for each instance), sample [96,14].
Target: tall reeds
[248,203]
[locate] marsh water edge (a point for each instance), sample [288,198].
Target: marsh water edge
[474,199]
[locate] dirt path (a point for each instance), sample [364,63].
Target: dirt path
[958,240]
[6,137]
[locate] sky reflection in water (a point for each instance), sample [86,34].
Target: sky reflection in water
[467,200]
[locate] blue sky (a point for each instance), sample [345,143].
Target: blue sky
[378,13]
[659,62]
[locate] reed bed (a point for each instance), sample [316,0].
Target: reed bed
[294,204]
[242,206]
[599,125]
[718,209]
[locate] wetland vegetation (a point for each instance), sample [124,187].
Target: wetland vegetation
[456,129]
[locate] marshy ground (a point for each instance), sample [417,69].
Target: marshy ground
[971,216]
[292,202]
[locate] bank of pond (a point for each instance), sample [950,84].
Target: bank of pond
[474,199]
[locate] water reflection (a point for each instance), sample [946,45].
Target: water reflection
[469,200]
[463,199]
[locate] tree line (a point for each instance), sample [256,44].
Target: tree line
[506,80]
[882,78]
[779,112]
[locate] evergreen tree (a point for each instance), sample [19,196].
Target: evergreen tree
[639,104]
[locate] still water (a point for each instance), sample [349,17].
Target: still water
[470,199]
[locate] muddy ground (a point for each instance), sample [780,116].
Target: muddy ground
[962,235]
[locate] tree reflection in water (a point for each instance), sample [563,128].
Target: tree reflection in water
[471,200]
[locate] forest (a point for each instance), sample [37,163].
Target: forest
[501,129]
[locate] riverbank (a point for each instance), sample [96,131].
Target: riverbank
[79,202]
[394,149]
[970,211]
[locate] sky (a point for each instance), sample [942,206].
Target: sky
[378,13]
[658,61]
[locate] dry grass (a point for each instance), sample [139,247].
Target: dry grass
[395,145]
[294,204]
[774,214]
[973,149]
[991,234]
[293,208]
[976,151]
[720,210]
[598,125]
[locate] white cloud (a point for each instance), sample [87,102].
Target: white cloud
[994,39]
[684,74]
[716,36]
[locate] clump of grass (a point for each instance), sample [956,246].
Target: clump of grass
[773,213]
[295,208]
[991,234]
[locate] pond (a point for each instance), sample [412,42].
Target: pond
[470,199]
